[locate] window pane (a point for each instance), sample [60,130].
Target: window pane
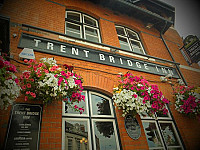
[91,31]
[76,135]
[153,137]
[120,31]
[90,21]
[92,38]
[177,148]
[104,135]
[132,35]
[72,27]
[73,30]
[80,104]
[69,144]
[136,46]
[100,105]
[124,43]
[73,16]
[169,134]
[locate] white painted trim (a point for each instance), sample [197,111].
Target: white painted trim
[83,42]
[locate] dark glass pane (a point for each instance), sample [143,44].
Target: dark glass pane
[76,135]
[132,35]
[90,21]
[73,16]
[120,31]
[124,43]
[169,134]
[136,46]
[179,148]
[72,27]
[104,136]
[152,135]
[70,144]
[100,105]
[80,104]
[91,31]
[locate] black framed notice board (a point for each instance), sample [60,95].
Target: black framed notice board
[24,126]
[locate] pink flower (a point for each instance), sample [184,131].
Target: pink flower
[46,71]
[24,87]
[134,95]
[75,106]
[146,98]
[28,85]
[83,97]
[32,80]
[152,92]
[73,95]
[25,60]
[153,106]
[39,75]
[165,100]
[40,64]
[16,80]
[27,92]
[63,73]
[26,98]
[33,94]
[155,96]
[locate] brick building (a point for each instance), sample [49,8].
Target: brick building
[102,38]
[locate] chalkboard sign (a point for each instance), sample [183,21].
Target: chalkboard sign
[132,127]
[24,127]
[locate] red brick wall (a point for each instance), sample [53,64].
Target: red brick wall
[51,16]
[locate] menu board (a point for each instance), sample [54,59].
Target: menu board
[24,127]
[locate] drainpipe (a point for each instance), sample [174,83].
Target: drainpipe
[176,65]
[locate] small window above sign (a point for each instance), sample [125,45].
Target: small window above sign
[132,127]
[27,53]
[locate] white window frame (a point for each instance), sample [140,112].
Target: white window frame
[158,120]
[91,19]
[131,47]
[115,131]
[152,121]
[80,33]
[78,114]
[97,37]
[90,119]
[82,25]
[175,132]
[80,16]
[75,119]
[110,104]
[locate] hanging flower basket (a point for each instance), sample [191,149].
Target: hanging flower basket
[45,81]
[135,94]
[187,100]
[9,83]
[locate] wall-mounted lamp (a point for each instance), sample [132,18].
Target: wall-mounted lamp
[83,140]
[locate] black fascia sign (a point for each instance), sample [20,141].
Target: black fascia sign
[55,47]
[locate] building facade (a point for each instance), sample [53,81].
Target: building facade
[101,39]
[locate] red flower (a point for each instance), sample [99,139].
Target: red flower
[1,64]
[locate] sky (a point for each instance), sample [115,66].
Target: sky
[187,18]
